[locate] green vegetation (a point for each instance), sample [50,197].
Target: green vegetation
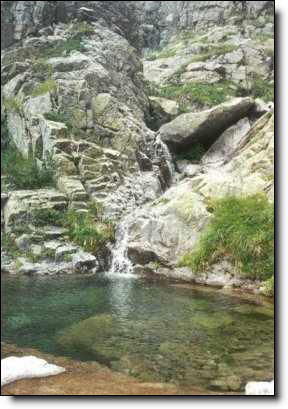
[42,67]
[194,154]
[152,120]
[262,89]
[24,173]
[57,117]
[242,229]
[12,104]
[214,51]
[268,287]
[5,137]
[45,216]
[82,28]
[71,44]
[155,55]
[87,231]
[269,52]
[202,94]
[8,245]
[45,87]
[257,87]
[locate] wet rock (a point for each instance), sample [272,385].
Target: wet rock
[23,242]
[83,261]
[141,255]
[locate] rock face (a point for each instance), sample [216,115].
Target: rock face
[162,231]
[78,97]
[204,127]
[14,368]
[23,18]
[79,100]
[163,19]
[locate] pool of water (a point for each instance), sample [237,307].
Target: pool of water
[153,330]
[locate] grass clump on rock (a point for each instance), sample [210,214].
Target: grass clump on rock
[242,229]
[24,173]
[44,88]
[88,230]
[197,93]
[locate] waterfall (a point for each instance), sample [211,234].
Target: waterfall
[163,151]
[120,262]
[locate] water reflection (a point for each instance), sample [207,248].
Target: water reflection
[120,295]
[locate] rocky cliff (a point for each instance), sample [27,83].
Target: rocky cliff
[147,110]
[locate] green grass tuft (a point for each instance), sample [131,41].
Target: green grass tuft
[12,104]
[268,287]
[241,229]
[87,231]
[24,173]
[202,94]
[64,48]
[45,87]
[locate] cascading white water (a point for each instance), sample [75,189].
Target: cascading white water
[165,153]
[120,261]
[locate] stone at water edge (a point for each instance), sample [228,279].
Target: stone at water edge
[259,388]
[15,368]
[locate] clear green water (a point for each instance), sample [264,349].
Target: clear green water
[151,330]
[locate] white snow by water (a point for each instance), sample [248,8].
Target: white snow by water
[259,388]
[15,368]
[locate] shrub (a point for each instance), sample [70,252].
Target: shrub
[65,47]
[12,104]
[46,216]
[86,231]
[24,173]
[44,88]
[242,229]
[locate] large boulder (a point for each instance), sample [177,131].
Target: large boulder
[206,126]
